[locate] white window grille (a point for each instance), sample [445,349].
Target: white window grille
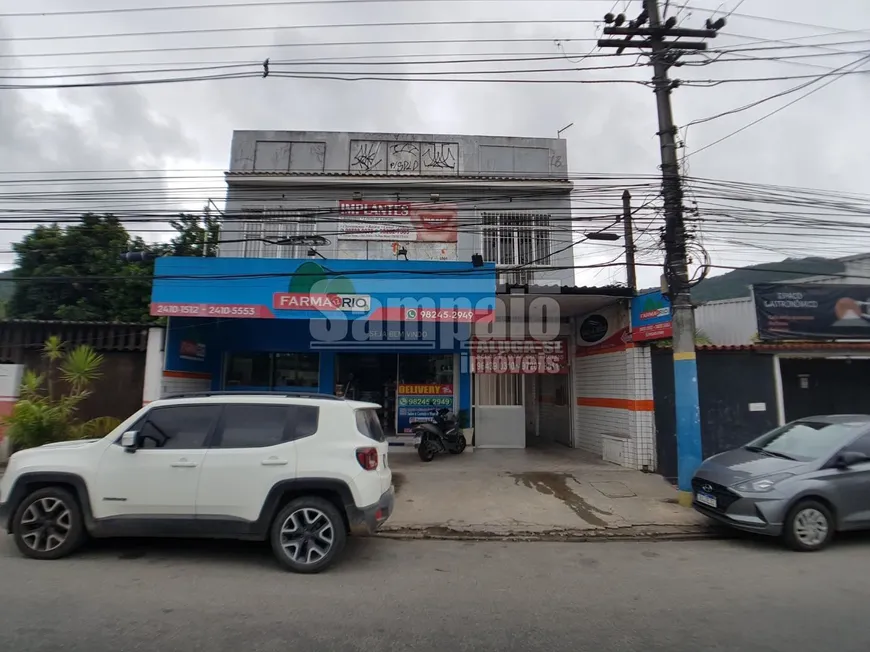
[275,224]
[498,389]
[512,239]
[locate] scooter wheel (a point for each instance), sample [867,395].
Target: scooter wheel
[460,445]
[426,451]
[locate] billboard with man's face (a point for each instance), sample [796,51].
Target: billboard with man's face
[812,311]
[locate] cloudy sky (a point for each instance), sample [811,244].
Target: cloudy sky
[176,136]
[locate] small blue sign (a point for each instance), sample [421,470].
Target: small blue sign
[651,317]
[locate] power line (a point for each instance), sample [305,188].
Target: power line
[707,83]
[87,278]
[275,46]
[283,28]
[778,20]
[397,74]
[238,5]
[777,95]
[775,111]
[321,77]
[357,60]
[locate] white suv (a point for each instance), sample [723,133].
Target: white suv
[302,470]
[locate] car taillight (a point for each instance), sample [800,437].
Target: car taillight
[367,458]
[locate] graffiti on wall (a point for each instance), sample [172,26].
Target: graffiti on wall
[403,157]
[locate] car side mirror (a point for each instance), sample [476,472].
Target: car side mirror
[130,441]
[849,458]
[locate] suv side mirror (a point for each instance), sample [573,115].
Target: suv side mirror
[849,458]
[130,441]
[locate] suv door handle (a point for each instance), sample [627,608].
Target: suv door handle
[273,461]
[183,464]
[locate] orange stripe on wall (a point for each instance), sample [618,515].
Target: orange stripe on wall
[186,374]
[618,404]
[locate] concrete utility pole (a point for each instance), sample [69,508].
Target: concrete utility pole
[630,271]
[664,54]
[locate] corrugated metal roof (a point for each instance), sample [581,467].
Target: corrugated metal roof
[812,346]
[76,323]
[774,347]
[605,290]
[18,336]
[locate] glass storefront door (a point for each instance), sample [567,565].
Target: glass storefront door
[369,377]
[425,386]
[291,372]
[408,386]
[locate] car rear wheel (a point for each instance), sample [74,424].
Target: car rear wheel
[48,524]
[308,535]
[809,526]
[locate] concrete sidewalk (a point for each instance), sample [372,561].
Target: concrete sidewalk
[533,493]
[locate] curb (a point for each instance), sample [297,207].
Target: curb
[650,533]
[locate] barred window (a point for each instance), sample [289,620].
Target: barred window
[516,238]
[275,224]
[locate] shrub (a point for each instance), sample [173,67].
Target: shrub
[45,412]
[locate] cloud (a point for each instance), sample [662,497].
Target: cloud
[816,143]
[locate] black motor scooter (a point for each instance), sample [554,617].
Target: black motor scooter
[442,436]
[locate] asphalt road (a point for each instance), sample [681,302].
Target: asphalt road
[701,596]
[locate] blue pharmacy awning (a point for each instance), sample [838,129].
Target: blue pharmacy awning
[270,288]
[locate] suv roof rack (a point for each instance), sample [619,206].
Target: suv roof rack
[331,397]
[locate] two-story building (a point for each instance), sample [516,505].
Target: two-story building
[392,268]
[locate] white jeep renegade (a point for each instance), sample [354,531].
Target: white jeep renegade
[302,470]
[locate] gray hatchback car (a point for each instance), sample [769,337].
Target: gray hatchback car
[803,481]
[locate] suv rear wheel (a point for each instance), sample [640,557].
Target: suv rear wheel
[308,534]
[48,524]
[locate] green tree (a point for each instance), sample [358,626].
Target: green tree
[66,256]
[198,235]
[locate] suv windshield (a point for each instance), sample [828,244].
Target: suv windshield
[367,423]
[805,440]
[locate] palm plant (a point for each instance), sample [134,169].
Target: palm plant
[48,402]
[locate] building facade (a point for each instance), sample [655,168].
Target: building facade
[416,271]
[416,233]
[436,197]
[790,350]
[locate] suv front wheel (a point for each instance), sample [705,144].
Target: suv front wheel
[308,534]
[48,524]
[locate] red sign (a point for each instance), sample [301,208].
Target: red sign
[401,221]
[619,341]
[326,302]
[225,311]
[519,357]
[358,208]
[191,350]
[652,332]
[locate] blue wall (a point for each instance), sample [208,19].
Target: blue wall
[222,336]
